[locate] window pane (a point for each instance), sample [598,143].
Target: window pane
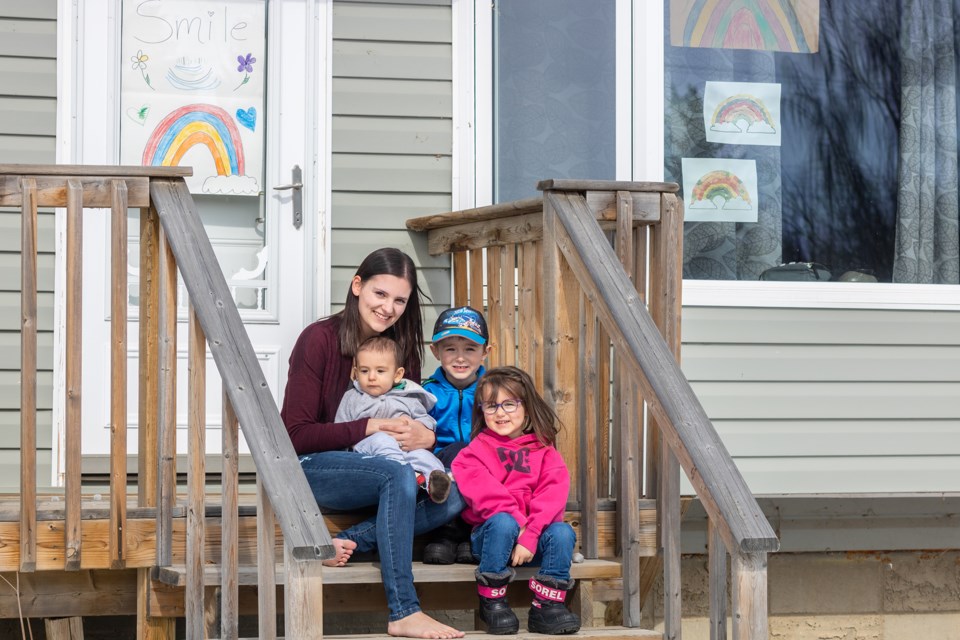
[554,93]
[864,178]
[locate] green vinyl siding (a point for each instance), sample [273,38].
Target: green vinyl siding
[28,122]
[831,400]
[392,136]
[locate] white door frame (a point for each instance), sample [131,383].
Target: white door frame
[87,133]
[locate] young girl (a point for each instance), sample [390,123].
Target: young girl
[516,486]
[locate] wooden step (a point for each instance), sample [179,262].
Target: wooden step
[369,572]
[601,633]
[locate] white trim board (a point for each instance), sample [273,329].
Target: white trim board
[820,295]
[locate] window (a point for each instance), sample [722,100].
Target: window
[863,178]
[554,93]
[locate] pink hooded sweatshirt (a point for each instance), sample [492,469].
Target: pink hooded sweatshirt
[518,476]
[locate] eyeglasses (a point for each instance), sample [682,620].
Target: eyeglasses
[508,406]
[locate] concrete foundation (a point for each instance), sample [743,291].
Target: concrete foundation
[836,596]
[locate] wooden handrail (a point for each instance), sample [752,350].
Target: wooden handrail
[296,509]
[687,429]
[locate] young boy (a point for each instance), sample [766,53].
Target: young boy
[380,391]
[460,343]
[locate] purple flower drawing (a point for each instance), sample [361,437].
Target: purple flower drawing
[245,67]
[246,63]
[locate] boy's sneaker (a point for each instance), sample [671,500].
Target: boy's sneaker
[465,553]
[440,551]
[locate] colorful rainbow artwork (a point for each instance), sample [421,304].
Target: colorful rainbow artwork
[767,25]
[194,124]
[720,189]
[743,108]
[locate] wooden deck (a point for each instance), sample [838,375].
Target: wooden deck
[580,287]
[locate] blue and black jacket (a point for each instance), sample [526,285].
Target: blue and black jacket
[454,408]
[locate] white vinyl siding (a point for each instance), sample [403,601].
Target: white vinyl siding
[831,400]
[391,137]
[28,93]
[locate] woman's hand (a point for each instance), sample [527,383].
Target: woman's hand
[521,555]
[409,433]
[387,425]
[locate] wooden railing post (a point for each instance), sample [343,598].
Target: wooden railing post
[74,340]
[167,405]
[749,586]
[717,575]
[266,566]
[149,627]
[28,376]
[302,598]
[118,374]
[196,479]
[229,524]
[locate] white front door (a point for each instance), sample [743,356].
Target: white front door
[266,248]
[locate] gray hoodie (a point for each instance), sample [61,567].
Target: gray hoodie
[405,399]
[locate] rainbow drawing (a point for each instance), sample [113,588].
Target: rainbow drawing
[767,25]
[193,124]
[720,189]
[744,108]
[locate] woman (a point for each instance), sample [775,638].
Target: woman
[384,298]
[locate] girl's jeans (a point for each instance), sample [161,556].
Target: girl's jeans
[344,480]
[493,542]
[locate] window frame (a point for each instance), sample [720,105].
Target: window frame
[640,156]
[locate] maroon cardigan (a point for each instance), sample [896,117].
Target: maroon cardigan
[318,377]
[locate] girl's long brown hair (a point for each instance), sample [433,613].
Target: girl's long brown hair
[541,419]
[408,330]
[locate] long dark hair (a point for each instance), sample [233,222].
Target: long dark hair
[408,329]
[541,419]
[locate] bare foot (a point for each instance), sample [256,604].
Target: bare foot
[343,549]
[420,625]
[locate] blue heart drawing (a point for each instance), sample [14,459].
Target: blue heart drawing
[247,118]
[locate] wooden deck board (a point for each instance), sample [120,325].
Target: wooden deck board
[604,633]
[369,572]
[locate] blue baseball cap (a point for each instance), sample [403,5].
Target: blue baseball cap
[465,322]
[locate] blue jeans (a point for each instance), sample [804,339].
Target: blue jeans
[493,541]
[344,480]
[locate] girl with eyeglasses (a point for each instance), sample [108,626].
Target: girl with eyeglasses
[516,484]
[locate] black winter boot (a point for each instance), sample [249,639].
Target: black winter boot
[548,614]
[442,547]
[494,610]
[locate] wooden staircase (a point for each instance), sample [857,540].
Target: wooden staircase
[581,287]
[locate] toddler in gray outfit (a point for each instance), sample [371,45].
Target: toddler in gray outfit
[380,391]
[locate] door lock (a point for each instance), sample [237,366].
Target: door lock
[297,187]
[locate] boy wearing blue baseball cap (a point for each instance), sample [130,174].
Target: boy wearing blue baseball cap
[460,343]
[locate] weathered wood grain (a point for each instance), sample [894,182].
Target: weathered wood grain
[148,382]
[748,578]
[167,405]
[671,400]
[491,212]
[244,381]
[196,461]
[717,576]
[605,185]
[302,597]
[118,370]
[73,373]
[229,523]
[28,376]
[266,566]
[461,292]
[52,190]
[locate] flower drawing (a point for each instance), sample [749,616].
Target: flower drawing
[245,67]
[139,63]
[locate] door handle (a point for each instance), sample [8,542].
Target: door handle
[297,187]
